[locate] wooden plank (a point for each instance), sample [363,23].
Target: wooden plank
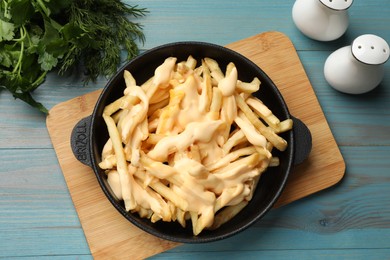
[224,22]
[326,254]
[354,119]
[215,24]
[28,128]
[21,128]
[98,217]
[36,213]
[290,239]
[276,55]
[357,207]
[284,68]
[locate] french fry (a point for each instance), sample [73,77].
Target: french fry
[248,162]
[107,149]
[155,138]
[137,114]
[227,214]
[229,109]
[195,153]
[124,175]
[129,81]
[231,157]
[180,217]
[189,144]
[207,90]
[269,146]
[205,220]
[228,84]
[155,217]
[131,121]
[263,111]
[154,200]
[108,163]
[248,87]
[252,184]
[227,196]
[153,108]
[152,125]
[229,68]
[144,213]
[165,192]
[191,62]
[132,149]
[215,70]
[194,221]
[237,138]
[250,132]
[276,140]
[274,162]
[163,72]
[181,71]
[118,104]
[216,103]
[285,126]
[159,169]
[263,152]
[117,115]
[160,96]
[147,84]
[113,180]
[169,112]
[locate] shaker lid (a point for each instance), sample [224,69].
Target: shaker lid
[370,49]
[337,5]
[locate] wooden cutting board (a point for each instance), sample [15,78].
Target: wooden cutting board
[110,235]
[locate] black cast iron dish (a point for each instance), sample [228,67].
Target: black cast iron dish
[90,134]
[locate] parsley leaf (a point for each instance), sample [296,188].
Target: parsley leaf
[21,11]
[6,30]
[39,36]
[47,61]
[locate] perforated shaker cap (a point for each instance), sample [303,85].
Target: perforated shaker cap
[337,5]
[370,49]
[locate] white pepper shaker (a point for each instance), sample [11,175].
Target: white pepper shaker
[357,68]
[322,20]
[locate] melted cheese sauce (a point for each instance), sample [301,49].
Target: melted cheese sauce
[190,123]
[193,126]
[228,84]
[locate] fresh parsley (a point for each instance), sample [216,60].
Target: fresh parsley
[38,36]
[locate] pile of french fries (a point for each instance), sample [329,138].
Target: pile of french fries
[189,144]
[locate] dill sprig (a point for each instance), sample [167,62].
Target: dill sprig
[39,36]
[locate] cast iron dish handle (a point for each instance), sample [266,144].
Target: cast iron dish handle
[79,141]
[302,140]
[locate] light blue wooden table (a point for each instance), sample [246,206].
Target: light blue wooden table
[348,221]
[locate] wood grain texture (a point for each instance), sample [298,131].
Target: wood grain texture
[345,254]
[220,22]
[349,216]
[223,22]
[109,235]
[31,190]
[348,221]
[358,120]
[345,221]
[273,52]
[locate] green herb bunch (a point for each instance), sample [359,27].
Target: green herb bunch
[38,36]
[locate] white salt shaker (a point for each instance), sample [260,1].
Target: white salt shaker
[357,68]
[322,20]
